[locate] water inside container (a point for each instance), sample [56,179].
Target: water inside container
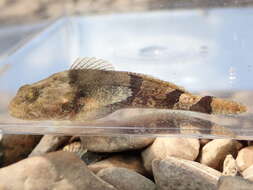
[207,52]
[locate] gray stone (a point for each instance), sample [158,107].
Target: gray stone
[93,157]
[185,148]
[57,170]
[49,143]
[178,174]
[115,143]
[125,179]
[87,156]
[234,183]
[129,161]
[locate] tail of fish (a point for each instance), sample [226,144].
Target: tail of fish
[150,92]
[208,104]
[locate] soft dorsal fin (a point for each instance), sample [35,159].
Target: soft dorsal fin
[91,63]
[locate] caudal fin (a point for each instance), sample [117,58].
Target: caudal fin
[208,104]
[221,106]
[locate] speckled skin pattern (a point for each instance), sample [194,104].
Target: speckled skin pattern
[85,94]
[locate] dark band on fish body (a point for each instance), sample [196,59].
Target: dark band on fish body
[73,75]
[172,98]
[135,85]
[76,101]
[75,105]
[203,105]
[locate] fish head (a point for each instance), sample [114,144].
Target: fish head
[48,99]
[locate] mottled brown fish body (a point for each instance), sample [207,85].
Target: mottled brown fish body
[87,94]
[154,93]
[131,90]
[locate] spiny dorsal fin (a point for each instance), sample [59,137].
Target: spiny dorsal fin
[91,63]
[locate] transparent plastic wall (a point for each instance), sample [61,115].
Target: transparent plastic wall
[203,46]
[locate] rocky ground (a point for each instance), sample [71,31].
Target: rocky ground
[124,163]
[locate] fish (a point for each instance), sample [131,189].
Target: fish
[91,89]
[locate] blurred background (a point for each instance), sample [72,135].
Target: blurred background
[27,11]
[22,18]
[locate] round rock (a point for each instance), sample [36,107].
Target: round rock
[57,170]
[214,152]
[230,167]
[234,183]
[185,148]
[179,174]
[49,143]
[115,143]
[245,158]
[248,173]
[16,147]
[132,162]
[125,179]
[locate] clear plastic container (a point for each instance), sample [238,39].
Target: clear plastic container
[207,51]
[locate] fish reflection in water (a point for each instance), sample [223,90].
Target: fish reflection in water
[152,122]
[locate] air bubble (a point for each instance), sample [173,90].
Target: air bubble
[153,51]
[203,50]
[232,74]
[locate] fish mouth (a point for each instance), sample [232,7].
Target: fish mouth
[19,110]
[24,114]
